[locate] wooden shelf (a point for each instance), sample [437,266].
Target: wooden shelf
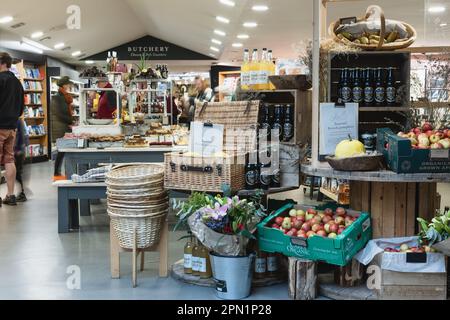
[383,109]
[329,194]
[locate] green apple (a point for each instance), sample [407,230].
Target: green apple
[293,213]
[301,213]
[332,236]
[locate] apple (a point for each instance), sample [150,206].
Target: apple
[332,236]
[411,135]
[445,143]
[316,227]
[287,224]
[424,142]
[326,219]
[316,220]
[310,216]
[321,215]
[435,138]
[301,213]
[302,219]
[301,234]
[310,234]
[341,230]
[429,133]
[427,127]
[437,145]
[322,233]
[334,228]
[341,212]
[279,221]
[417,131]
[327,227]
[311,211]
[306,227]
[414,141]
[340,220]
[293,213]
[404,248]
[297,224]
[291,233]
[275,226]
[328,212]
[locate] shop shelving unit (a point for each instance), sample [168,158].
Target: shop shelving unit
[34,80]
[227,84]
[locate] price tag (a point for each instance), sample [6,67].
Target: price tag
[440,154]
[81,144]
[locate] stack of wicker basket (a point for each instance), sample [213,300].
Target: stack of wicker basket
[137,204]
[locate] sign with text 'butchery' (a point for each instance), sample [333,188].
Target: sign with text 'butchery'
[150,48]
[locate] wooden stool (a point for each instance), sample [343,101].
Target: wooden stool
[352,275]
[302,279]
[162,248]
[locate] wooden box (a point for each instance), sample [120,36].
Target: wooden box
[410,286]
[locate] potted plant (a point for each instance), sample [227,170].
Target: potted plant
[225,225]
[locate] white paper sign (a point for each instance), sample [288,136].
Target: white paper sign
[206,140]
[336,124]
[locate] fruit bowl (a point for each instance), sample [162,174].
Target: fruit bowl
[374,162]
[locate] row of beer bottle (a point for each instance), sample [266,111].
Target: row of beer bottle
[368,86]
[262,170]
[255,71]
[197,261]
[278,119]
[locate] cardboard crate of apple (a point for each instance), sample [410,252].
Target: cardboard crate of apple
[422,150]
[329,236]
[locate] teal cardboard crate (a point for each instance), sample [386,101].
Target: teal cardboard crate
[339,251]
[402,158]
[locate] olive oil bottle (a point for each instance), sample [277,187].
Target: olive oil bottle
[196,258]
[188,257]
[205,263]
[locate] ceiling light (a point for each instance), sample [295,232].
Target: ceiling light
[59,45]
[436,9]
[37,35]
[443,24]
[222,19]
[89,62]
[36,44]
[220,33]
[6,19]
[260,8]
[76,53]
[243,36]
[228,3]
[214,49]
[238,45]
[216,41]
[250,24]
[212,55]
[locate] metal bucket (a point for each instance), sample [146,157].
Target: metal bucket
[233,276]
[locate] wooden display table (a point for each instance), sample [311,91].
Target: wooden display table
[395,201]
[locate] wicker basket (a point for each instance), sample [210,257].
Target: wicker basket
[207,174]
[137,204]
[144,230]
[381,46]
[136,175]
[149,211]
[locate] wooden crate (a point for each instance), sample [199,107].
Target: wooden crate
[303,275]
[410,286]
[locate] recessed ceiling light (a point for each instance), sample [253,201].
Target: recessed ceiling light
[220,33]
[228,3]
[222,19]
[216,41]
[250,24]
[243,36]
[59,46]
[436,9]
[212,55]
[76,53]
[238,45]
[37,34]
[6,19]
[260,8]
[89,62]
[214,49]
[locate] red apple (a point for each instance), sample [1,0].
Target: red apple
[427,127]
[316,227]
[340,220]
[328,212]
[292,233]
[297,224]
[341,230]
[417,131]
[275,226]
[310,234]
[429,133]
[334,228]
[316,220]
[341,212]
[311,211]
[326,219]
[301,234]
[279,221]
[306,227]
[322,233]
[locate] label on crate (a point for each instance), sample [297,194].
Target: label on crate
[261,265]
[391,94]
[440,154]
[272,264]
[188,261]
[366,225]
[202,265]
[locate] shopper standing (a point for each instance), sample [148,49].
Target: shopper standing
[11,108]
[61,119]
[204,94]
[107,104]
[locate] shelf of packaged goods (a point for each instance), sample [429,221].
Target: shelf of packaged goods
[384,109]
[33,91]
[38,136]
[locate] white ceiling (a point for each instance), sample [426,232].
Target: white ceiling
[190,23]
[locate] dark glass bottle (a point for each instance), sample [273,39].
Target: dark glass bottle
[265,174]
[391,90]
[277,126]
[380,90]
[252,173]
[346,90]
[357,91]
[265,121]
[288,127]
[368,88]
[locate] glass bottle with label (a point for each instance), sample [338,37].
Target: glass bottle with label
[188,257]
[260,265]
[265,174]
[245,74]
[252,172]
[391,90]
[196,259]
[277,126]
[263,73]
[368,88]
[266,126]
[272,69]
[357,92]
[272,264]
[205,263]
[254,70]
[288,127]
[346,90]
[380,90]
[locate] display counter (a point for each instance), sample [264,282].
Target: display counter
[395,201]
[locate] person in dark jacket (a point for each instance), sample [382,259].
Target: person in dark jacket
[107,104]
[61,119]
[11,108]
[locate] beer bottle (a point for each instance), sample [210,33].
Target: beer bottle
[265,174]
[368,88]
[260,264]
[205,263]
[391,91]
[272,264]
[275,167]
[252,172]
[380,91]
[188,257]
[357,93]
[265,123]
[277,126]
[346,90]
[288,127]
[196,259]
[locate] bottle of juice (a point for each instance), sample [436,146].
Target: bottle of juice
[196,259]
[188,257]
[272,68]
[245,71]
[205,263]
[254,70]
